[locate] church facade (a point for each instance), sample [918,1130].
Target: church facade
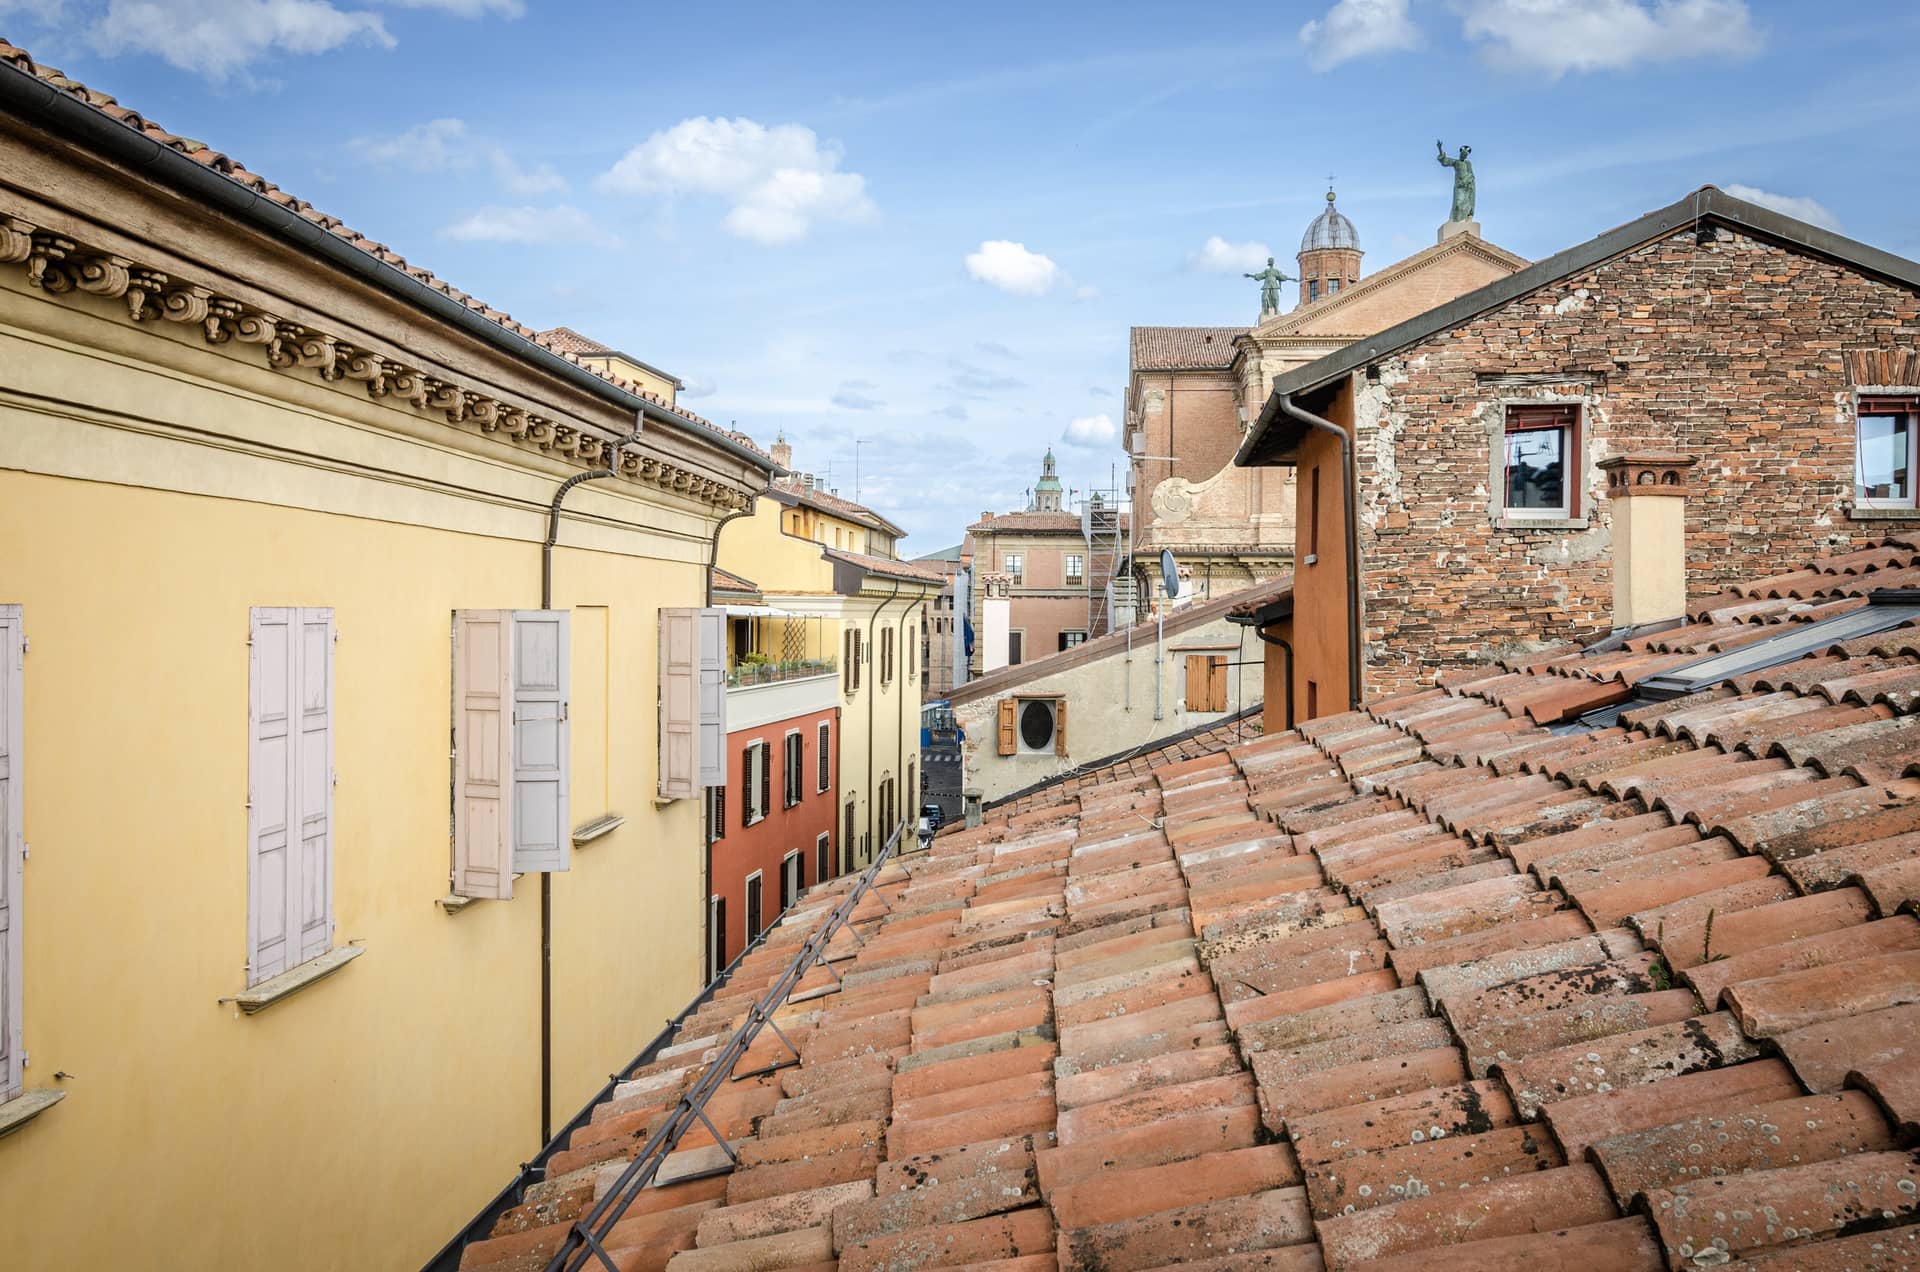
[1192,392]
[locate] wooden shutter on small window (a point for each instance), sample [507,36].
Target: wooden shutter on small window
[289,789]
[1196,691]
[1217,683]
[542,663]
[1060,726]
[12,851]
[1008,742]
[713,697]
[747,815]
[824,743]
[482,754]
[766,780]
[679,703]
[846,661]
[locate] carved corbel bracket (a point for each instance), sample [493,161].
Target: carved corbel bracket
[16,239]
[221,316]
[142,286]
[483,411]
[185,304]
[103,275]
[43,262]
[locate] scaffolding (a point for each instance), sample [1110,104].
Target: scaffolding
[1103,525]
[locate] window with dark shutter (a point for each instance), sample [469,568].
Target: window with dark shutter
[753,905]
[792,771]
[766,782]
[825,758]
[823,858]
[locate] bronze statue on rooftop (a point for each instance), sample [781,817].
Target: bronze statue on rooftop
[1270,280]
[1462,181]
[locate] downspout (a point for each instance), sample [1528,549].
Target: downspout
[871,620]
[900,716]
[706,832]
[546,878]
[1261,632]
[1352,518]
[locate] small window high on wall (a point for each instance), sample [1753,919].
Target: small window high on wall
[1887,439]
[1540,463]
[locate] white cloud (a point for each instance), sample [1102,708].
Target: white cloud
[1557,36]
[696,387]
[218,38]
[1358,28]
[1090,431]
[854,395]
[560,224]
[466,8]
[780,180]
[514,179]
[1012,268]
[1797,206]
[1086,291]
[1217,256]
[445,145]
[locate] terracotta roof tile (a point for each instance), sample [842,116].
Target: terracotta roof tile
[1183,348]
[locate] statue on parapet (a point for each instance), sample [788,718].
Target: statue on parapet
[1462,181]
[1270,280]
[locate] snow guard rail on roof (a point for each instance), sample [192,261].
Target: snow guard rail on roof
[584,1246]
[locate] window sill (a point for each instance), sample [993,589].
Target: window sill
[453,904]
[1541,523]
[605,824]
[292,981]
[26,1106]
[1858,513]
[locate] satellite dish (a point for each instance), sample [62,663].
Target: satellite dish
[1169,573]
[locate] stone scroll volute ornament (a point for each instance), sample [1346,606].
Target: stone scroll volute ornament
[1462,181]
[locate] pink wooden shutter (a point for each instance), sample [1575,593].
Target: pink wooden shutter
[679,703]
[272,778]
[312,900]
[12,851]
[713,697]
[482,761]
[542,661]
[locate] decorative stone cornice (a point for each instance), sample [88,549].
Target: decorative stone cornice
[1662,473]
[59,266]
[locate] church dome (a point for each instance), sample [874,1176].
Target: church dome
[1330,229]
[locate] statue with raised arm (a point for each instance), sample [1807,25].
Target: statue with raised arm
[1270,280]
[1462,181]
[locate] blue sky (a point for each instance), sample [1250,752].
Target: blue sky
[931,227]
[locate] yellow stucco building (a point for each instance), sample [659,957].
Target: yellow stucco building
[831,563]
[279,684]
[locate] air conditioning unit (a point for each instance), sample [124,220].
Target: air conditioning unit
[1036,723]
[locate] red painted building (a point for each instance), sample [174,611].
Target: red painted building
[771,827]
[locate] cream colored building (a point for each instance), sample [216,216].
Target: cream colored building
[869,604]
[1192,392]
[309,765]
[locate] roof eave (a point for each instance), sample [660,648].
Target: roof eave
[33,98]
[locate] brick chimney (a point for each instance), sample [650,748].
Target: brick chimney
[1649,494]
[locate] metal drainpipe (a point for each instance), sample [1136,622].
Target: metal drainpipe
[1261,632]
[706,853]
[546,879]
[900,716]
[871,620]
[1351,499]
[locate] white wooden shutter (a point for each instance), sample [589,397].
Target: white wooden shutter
[713,697]
[482,754]
[542,661]
[312,900]
[12,852]
[679,703]
[270,778]
[289,789]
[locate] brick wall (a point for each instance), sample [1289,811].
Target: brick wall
[1730,351]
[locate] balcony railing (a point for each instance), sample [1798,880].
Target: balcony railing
[746,671]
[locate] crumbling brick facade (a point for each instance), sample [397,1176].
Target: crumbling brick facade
[1728,348]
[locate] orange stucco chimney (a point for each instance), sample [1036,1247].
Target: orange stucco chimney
[1648,493]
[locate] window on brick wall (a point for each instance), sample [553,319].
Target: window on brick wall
[1069,639]
[1540,462]
[1886,440]
[1016,564]
[1076,567]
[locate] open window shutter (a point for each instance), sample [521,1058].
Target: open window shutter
[713,697]
[12,852]
[312,898]
[766,780]
[846,661]
[824,744]
[482,754]
[1060,727]
[542,662]
[1007,708]
[1217,684]
[679,703]
[1196,694]
[271,791]
[746,787]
